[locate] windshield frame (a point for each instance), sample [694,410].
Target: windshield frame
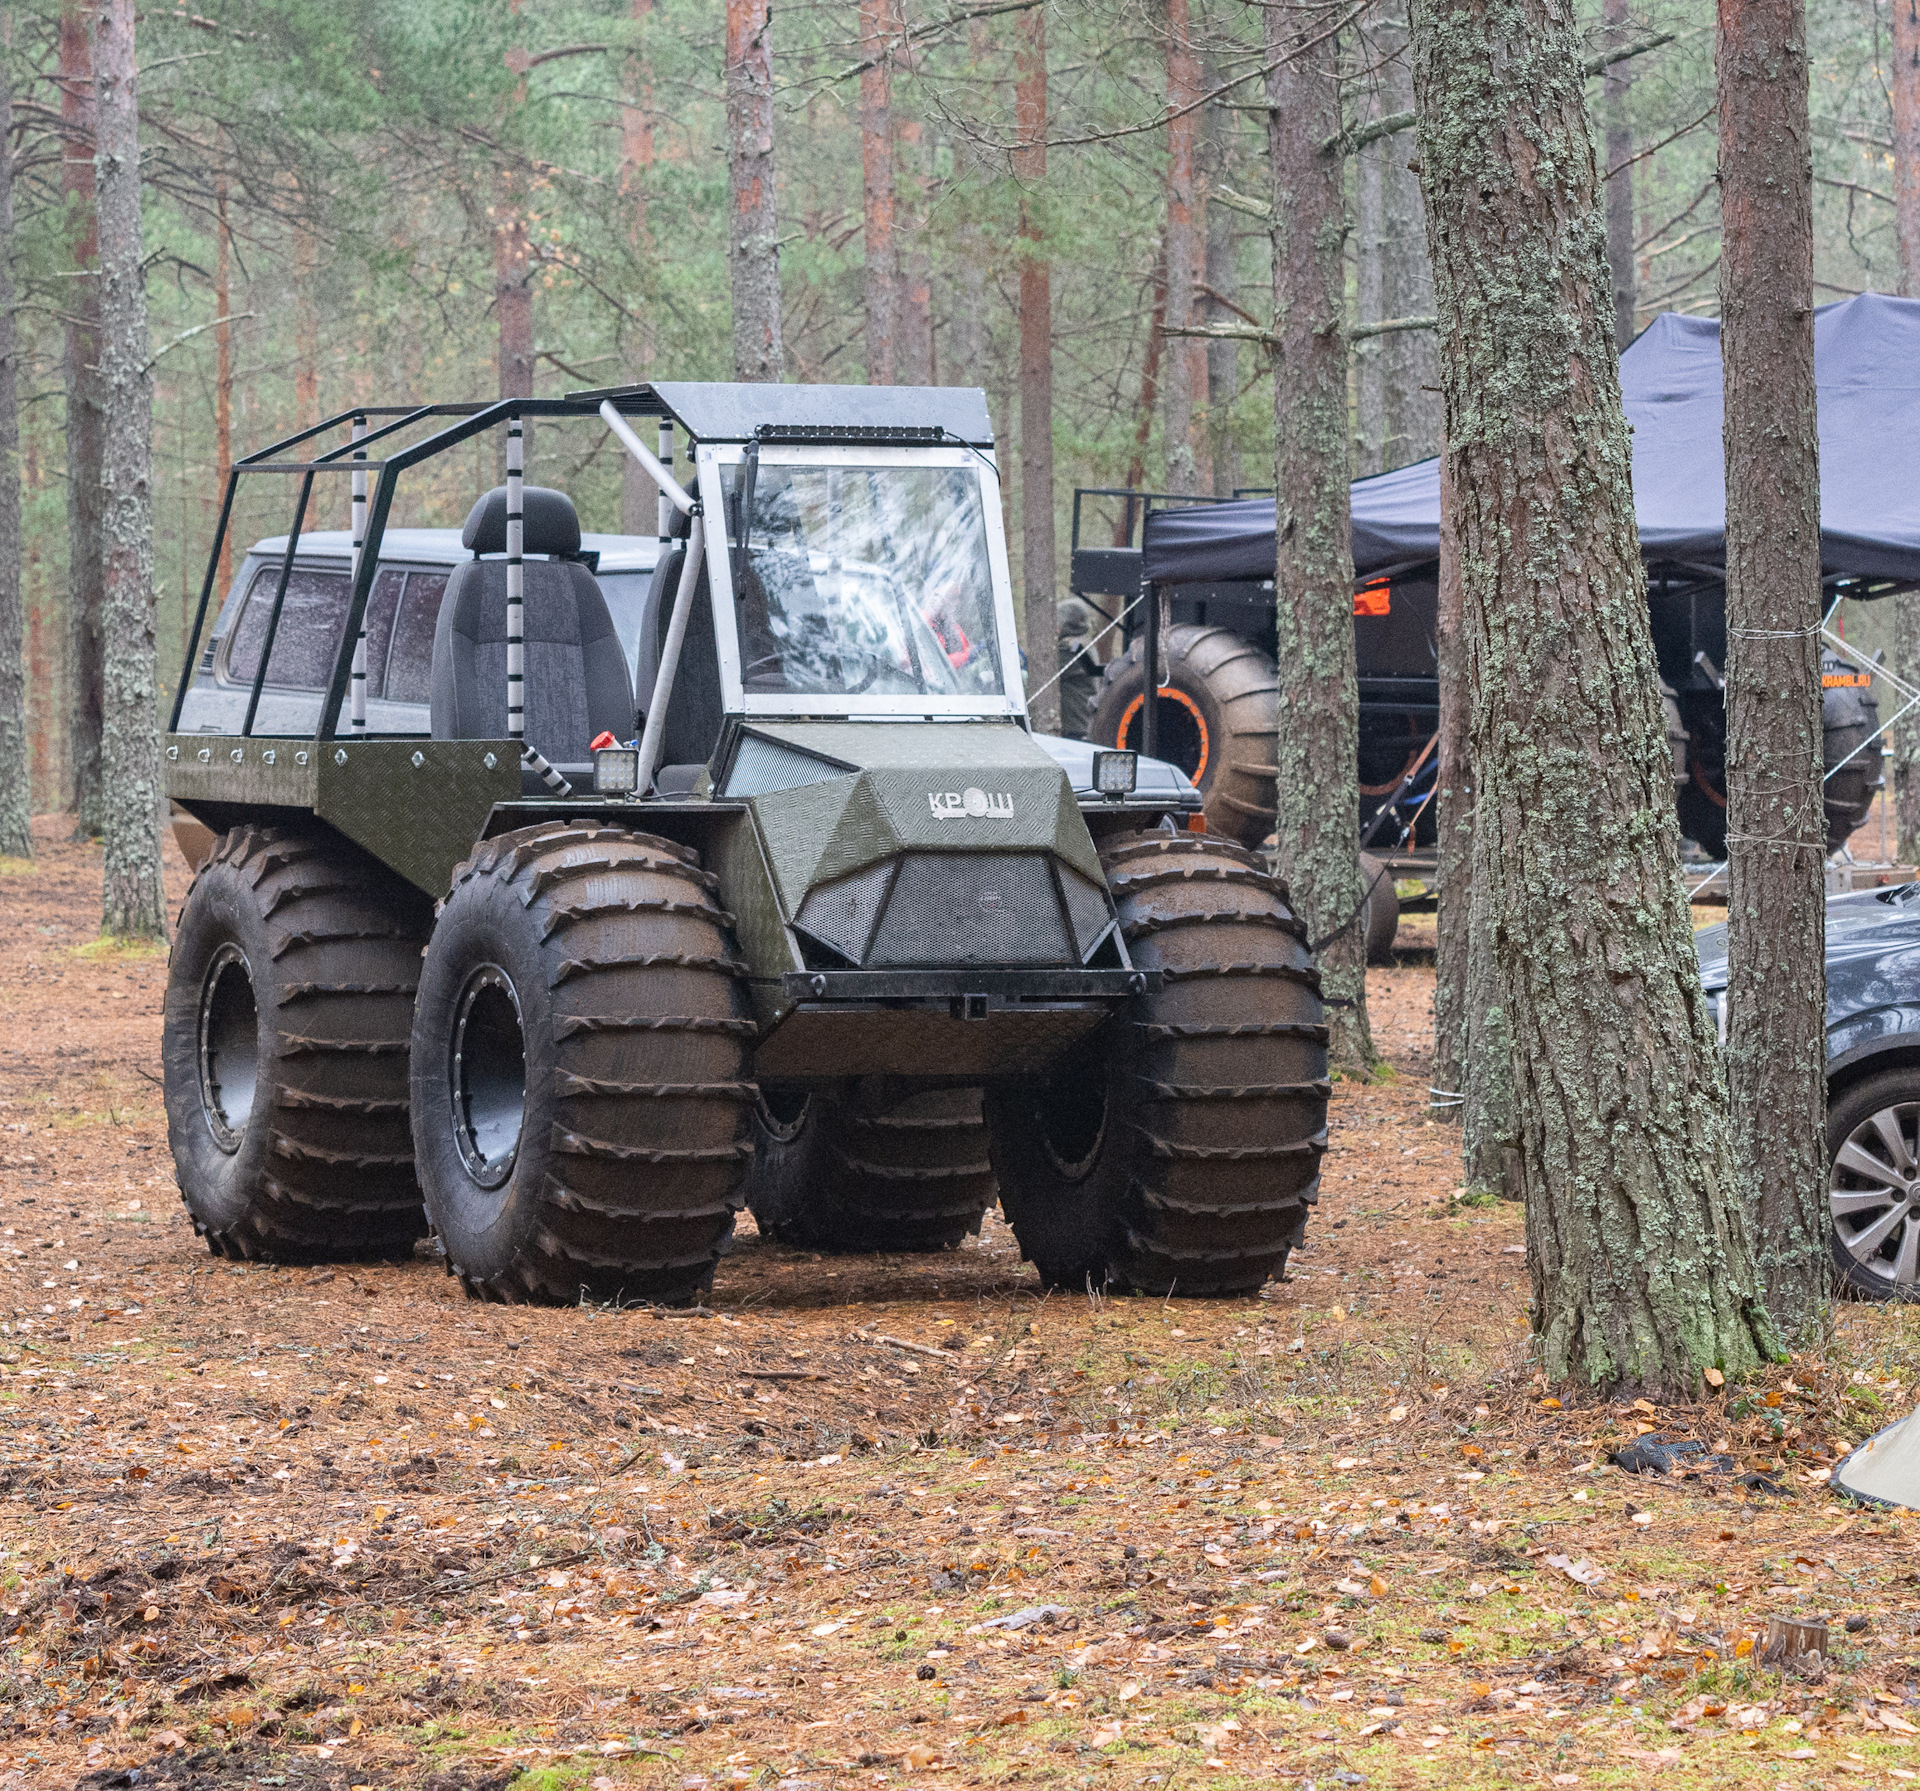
[1008,703]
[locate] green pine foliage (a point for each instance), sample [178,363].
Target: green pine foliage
[363,148]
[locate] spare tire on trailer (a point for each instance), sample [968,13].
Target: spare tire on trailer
[1852,752]
[1380,915]
[870,1170]
[1217,714]
[1851,745]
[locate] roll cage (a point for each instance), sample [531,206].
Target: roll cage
[726,426]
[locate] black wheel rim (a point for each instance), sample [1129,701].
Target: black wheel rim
[1072,1122]
[1872,1195]
[487,1075]
[783,1112]
[229,1046]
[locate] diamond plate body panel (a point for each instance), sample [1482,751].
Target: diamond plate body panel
[936,786]
[417,805]
[841,914]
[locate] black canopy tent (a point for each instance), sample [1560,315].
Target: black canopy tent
[1866,367]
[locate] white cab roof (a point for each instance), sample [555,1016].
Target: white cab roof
[441,547]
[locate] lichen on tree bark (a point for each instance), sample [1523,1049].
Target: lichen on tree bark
[1317,824]
[81,375]
[16,795]
[1637,1237]
[133,904]
[1776,825]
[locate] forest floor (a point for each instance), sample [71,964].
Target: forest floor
[883,1520]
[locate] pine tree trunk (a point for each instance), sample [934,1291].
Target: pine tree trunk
[970,353]
[1616,87]
[879,276]
[1149,394]
[1472,1045]
[1637,1234]
[1776,828]
[223,367]
[639,496]
[1453,824]
[134,904]
[45,636]
[306,318]
[755,246]
[1906,734]
[1903,85]
[1223,284]
[1370,253]
[1397,375]
[513,299]
[1186,356]
[81,369]
[1319,786]
[913,307]
[16,763]
[1040,619]
[1903,88]
[1490,1131]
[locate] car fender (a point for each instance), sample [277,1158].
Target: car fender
[1884,1032]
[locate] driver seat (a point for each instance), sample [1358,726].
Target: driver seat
[576,670]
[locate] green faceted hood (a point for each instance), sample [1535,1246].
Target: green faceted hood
[990,845]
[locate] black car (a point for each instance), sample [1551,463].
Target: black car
[1873,1082]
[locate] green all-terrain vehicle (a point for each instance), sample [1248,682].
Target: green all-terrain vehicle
[817,926]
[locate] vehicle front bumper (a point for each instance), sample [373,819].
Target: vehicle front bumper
[957,1026]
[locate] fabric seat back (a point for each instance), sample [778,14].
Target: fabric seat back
[695,711]
[576,672]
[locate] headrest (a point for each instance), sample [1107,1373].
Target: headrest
[548,523]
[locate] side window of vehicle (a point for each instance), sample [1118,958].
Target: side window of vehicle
[308,637]
[383,603]
[410,658]
[626,595]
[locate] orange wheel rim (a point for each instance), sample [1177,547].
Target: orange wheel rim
[1132,711]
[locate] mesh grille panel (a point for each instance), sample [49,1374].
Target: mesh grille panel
[761,767]
[961,909]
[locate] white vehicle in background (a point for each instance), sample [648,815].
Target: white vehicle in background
[402,611]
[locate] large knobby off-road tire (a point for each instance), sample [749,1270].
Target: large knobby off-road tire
[1216,717]
[1851,750]
[1851,746]
[581,1102]
[1181,1153]
[1380,913]
[872,1170]
[289,1004]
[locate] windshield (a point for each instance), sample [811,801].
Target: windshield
[863,580]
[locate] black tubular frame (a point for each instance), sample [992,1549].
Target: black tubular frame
[468,420]
[279,598]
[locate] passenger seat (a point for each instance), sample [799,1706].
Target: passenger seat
[576,671]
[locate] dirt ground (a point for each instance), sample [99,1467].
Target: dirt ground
[882,1520]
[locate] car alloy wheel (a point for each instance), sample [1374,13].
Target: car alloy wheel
[1873,1192]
